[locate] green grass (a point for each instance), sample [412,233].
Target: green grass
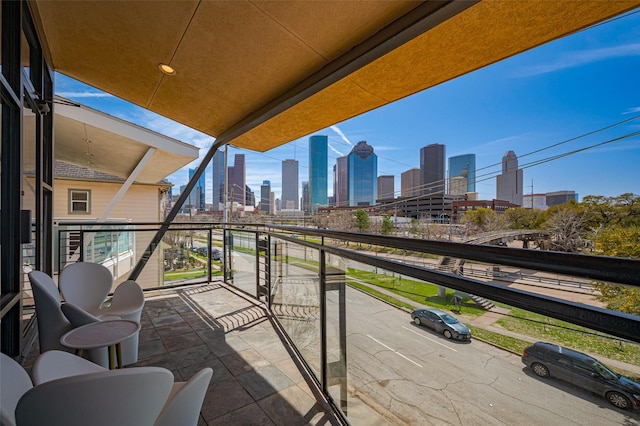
[185,275]
[567,334]
[507,342]
[379,295]
[417,291]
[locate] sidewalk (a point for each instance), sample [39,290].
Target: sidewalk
[487,321]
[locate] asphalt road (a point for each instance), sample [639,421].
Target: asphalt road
[400,373]
[408,374]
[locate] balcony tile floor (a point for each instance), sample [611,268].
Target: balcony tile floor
[256,380]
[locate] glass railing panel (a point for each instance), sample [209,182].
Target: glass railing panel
[295,297]
[182,259]
[383,367]
[242,263]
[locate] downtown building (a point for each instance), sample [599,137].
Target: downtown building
[237,178]
[362,170]
[340,179]
[509,184]
[265,197]
[462,174]
[289,198]
[196,200]
[217,181]
[432,164]
[386,187]
[410,183]
[318,165]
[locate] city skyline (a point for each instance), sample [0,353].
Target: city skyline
[544,98]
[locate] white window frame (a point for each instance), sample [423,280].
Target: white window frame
[75,203]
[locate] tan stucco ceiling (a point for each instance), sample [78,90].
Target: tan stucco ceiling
[259,74]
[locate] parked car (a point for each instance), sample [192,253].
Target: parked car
[441,322]
[216,255]
[549,360]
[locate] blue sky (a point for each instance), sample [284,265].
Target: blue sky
[552,94]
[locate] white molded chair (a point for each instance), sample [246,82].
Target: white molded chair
[127,303]
[52,324]
[53,365]
[185,401]
[128,397]
[86,285]
[14,382]
[80,288]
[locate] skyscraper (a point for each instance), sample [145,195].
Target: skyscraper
[265,193]
[340,182]
[362,170]
[509,184]
[432,163]
[386,187]
[217,178]
[462,174]
[289,199]
[197,198]
[250,197]
[305,197]
[318,164]
[410,183]
[237,180]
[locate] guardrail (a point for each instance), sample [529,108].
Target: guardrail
[300,274]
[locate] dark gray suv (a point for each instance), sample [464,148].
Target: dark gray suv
[546,359]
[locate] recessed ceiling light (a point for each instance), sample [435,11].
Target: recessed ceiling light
[166,69]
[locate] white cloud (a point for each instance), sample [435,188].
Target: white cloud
[580,58]
[342,135]
[633,110]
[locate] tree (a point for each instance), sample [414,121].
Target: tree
[362,220]
[521,218]
[482,220]
[387,225]
[416,228]
[566,226]
[619,242]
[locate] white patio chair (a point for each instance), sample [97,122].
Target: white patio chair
[127,303]
[53,365]
[14,382]
[52,324]
[128,397]
[185,401]
[86,285]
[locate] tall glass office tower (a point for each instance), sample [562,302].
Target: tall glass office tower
[509,183]
[340,182]
[217,179]
[432,163]
[237,175]
[362,172]
[197,198]
[318,165]
[462,174]
[289,199]
[265,197]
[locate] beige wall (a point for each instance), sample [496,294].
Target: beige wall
[141,203]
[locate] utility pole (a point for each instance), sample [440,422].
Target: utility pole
[531,194]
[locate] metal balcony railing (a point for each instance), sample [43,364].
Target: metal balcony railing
[330,292]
